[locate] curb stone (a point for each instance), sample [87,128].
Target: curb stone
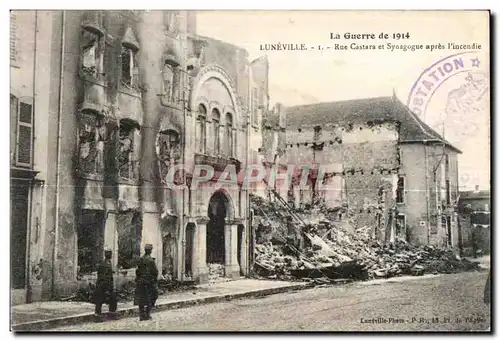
[133,311]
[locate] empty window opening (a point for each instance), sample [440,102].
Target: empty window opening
[90,240]
[91,139]
[216,130]
[317,132]
[400,191]
[229,135]
[401,226]
[201,139]
[128,142]
[92,58]
[129,227]
[130,70]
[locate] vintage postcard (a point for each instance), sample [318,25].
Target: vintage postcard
[182,170]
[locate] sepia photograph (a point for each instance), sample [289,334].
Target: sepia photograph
[250,170]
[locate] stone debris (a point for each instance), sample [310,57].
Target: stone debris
[216,273]
[334,250]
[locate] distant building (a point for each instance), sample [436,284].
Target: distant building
[379,159]
[474,209]
[103,105]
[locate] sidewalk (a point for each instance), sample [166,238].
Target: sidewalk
[46,315]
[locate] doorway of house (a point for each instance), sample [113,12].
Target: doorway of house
[217,212]
[19,195]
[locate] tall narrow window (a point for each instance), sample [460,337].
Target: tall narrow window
[127,157]
[91,138]
[168,150]
[201,129]
[171,81]
[400,191]
[255,106]
[24,133]
[216,130]
[129,66]
[92,58]
[229,135]
[448,192]
[317,132]
[401,226]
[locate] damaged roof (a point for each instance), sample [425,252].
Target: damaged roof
[361,111]
[472,195]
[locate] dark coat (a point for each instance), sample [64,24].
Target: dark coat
[104,284]
[146,287]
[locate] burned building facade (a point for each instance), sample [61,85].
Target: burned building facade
[378,163]
[141,102]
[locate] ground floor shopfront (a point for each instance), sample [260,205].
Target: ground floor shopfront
[197,235]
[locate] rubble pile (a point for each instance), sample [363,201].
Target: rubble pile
[401,258]
[269,218]
[215,272]
[335,250]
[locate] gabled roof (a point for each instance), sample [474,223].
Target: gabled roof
[360,111]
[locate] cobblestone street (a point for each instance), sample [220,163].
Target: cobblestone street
[442,303]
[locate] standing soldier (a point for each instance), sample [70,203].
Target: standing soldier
[146,283]
[105,291]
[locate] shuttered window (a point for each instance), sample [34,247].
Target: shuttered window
[14,40]
[24,143]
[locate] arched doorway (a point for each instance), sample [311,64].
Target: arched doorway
[217,213]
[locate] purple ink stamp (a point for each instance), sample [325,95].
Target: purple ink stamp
[466,65]
[452,96]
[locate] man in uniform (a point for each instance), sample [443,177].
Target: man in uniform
[146,283]
[105,291]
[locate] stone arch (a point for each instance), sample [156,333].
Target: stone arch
[228,200]
[215,71]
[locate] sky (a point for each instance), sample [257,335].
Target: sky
[302,77]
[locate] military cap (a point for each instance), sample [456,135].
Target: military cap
[148,247]
[107,250]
